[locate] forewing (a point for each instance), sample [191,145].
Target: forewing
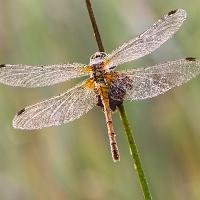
[152,81]
[40,75]
[149,40]
[57,110]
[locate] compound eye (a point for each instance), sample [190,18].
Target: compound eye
[93,57]
[103,55]
[98,56]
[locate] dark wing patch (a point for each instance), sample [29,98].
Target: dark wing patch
[2,65]
[172,12]
[20,112]
[190,59]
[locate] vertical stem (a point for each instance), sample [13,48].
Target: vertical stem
[94,26]
[131,141]
[135,153]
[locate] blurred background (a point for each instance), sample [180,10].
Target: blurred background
[73,161]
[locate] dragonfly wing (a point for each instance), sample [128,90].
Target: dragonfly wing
[39,76]
[144,83]
[57,110]
[149,40]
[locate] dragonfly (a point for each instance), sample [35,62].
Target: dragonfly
[104,87]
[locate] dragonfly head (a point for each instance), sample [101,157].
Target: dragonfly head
[97,57]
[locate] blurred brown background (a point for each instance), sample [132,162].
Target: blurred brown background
[73,161]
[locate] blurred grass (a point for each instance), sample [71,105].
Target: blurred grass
[73,161]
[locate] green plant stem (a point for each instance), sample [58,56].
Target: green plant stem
[134,153]
[131,141]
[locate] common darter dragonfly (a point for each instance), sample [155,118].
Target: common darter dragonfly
[105,87]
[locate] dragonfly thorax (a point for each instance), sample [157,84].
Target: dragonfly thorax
[96,62]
